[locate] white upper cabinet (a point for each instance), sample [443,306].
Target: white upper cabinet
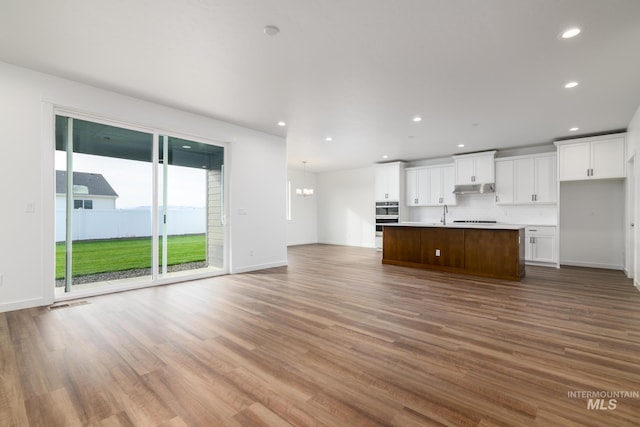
[608,158]
[526,180]
[430,186]
[441,185]
[387,187]
[478,168]
[417,186]
[592,158]
[448,185]
[504,182]
[546,179]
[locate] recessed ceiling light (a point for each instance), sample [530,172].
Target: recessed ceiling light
[385,156]
[417,119]
[460,145]
[281,123]
[271,30]
[573,129]
[186,146]
[328,139]
[571,84]
[570,32]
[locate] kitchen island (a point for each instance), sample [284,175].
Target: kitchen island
[488,250]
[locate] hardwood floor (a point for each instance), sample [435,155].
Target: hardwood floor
[335,339]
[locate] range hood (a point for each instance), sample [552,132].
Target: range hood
[474,189]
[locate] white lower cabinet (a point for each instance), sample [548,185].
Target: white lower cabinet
[540,244]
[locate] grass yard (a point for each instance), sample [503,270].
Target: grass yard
[99,256]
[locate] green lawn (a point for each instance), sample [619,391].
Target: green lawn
[99,256]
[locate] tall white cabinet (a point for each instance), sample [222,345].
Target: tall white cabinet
[389,182]
[594,221]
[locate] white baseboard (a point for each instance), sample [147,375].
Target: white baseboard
[591,264]
[20,305]
[542,264]
[302,243]
[256,267]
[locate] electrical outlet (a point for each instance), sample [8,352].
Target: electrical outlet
[437,252]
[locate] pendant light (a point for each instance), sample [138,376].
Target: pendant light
[304,192]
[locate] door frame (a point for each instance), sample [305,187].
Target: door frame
[50,111]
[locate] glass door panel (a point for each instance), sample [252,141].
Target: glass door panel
[104,197]
[190,177]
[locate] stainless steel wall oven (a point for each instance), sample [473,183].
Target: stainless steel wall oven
[386,213]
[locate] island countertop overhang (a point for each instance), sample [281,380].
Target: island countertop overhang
[492,226]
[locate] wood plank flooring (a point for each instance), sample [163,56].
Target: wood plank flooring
[335,339]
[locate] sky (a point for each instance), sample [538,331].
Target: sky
[133,180]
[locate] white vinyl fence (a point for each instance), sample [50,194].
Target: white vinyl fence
[89,224]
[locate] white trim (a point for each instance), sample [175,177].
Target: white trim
[68,112]
[591,265]
[256,267]
[110,289]
[27,303]
[48,209]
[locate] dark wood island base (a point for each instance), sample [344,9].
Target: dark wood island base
[488,252]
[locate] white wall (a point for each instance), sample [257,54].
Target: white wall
[592,223]
[256,169]
[302,228]
[633,149]
[346,208]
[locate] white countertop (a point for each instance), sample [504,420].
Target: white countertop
[497,226]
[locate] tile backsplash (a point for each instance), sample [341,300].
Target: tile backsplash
[484,207]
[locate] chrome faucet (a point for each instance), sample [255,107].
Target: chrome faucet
[445,211]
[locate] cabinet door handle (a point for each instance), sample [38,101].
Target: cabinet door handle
[588,172]
[532,198]
[441,200]
[591,171]
[497,199]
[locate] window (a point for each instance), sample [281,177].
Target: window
[83,204]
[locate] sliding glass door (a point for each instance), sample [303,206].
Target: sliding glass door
[134,206]
[191,206]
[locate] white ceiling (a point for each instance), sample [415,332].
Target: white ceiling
[486,73]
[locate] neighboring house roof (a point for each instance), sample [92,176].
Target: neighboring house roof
[94,184]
